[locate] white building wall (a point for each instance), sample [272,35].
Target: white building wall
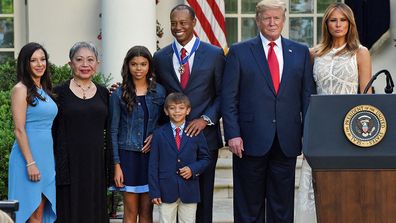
[59,24]
[385,57]
[20,20]
[126,23]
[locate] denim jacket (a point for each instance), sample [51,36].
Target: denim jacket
[127,128]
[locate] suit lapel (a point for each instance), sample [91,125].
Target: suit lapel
[198,59]
[169,137]
[183,142]
[261,61]
[287,57]
[169,64]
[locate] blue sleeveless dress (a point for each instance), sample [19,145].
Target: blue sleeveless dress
[38,128]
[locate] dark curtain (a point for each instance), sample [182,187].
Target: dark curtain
[372,19]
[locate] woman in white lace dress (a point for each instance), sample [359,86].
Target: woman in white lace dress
[341,66]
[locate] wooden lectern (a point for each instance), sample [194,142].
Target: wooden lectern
[352,184]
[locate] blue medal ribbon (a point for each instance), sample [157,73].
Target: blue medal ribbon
[178,56]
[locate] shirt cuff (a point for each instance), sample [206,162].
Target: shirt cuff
[207,119]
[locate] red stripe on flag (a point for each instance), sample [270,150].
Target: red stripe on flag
[204,22]
[217,14]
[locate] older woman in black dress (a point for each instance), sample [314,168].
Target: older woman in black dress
[79,150]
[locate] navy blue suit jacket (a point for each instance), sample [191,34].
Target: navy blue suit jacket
[203,88]
[250,107]
[165,161]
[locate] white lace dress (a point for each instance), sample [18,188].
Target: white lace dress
[333,75]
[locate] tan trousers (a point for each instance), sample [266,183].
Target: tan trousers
[184,212]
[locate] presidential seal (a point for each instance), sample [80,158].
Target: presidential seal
[365,125]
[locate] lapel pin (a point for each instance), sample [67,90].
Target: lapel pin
[290,51]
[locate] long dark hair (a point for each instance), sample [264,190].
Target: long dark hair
[128,87]
[25,73]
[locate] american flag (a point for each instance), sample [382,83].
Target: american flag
[210,25]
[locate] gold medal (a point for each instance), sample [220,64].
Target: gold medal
[181,69]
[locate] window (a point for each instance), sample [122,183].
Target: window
[305,20]
[303,24]
[7,46]
[240,20]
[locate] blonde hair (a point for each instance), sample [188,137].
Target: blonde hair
[352,37]
[270,4]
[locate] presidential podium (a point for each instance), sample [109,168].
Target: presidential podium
[350,144]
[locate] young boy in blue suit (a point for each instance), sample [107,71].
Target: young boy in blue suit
[176,161]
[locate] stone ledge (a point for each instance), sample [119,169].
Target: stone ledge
[224,163]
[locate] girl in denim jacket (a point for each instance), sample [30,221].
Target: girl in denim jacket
[135,108]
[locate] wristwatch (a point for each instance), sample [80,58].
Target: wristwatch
[207,119]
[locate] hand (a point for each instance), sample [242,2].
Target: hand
[236,146]
[147,144]
[195,127]
[114,87]
[156,201]
[33,173]
[185,172]
[118,176]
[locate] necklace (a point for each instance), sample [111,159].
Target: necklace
[82,89]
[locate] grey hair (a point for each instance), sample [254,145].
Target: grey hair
[270,4]
[79,45]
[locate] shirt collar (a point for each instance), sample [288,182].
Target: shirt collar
[188,46]
[174,126]
[265,41]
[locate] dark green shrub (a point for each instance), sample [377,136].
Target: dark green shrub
[6,140]
[59,74]
[7,75]
[7,81]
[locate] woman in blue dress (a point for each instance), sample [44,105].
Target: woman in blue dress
[31,175]
[134,111]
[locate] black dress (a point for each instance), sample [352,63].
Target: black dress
[79,155]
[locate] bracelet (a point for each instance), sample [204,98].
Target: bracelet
[29,164]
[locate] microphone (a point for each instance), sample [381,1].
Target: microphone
[389,82]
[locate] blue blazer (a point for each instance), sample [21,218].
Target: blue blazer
[203,88]
[165,161]
[250,107]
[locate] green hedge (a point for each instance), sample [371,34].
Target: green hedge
[6,140]
[7,81]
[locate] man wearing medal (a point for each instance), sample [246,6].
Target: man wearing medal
[181,69]
[195,68]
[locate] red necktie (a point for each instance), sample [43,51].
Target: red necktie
[273,66]
[177,138]
[186,70]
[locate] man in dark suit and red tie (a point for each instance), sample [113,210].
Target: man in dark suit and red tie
[267,84]
[195,68]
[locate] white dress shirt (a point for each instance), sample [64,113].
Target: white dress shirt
[188,48]
[278,52]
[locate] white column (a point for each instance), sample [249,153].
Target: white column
[126,23]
